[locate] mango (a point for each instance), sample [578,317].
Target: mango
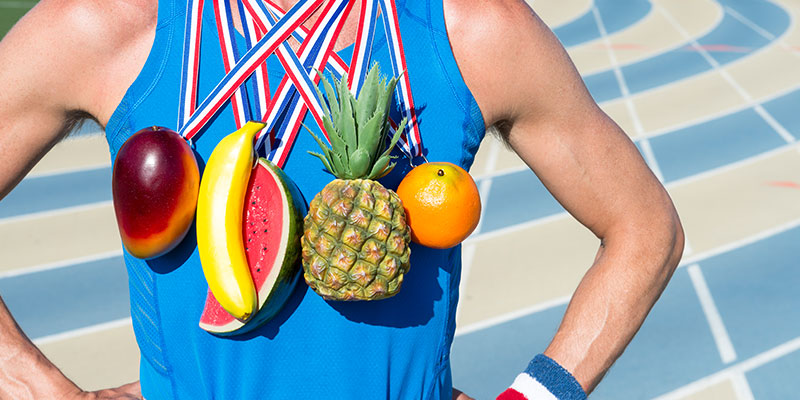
[155,183]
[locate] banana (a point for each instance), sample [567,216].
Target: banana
[219,222]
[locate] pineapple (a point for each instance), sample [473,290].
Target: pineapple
[356,240]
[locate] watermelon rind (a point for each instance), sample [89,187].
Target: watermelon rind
[281,282]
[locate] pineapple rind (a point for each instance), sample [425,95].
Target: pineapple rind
[366,255]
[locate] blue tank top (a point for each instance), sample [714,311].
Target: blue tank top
[396,348]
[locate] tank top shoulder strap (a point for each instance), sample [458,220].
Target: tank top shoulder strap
[168,29]
[431,14]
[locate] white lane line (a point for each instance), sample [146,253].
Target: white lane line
[484,189]
[59,264]
[753,53]
[720,114]
[721,338]
[750,24]
[728,247]
[647,151]
[515,228]
[56,212]
[711,26]
[763,32]
[741,387]
[738,368]
[486,184]
[71,170]
[499,319]
[730,166]
[677,183]
[779,129]
[671,129]
[699,257]
[82,331]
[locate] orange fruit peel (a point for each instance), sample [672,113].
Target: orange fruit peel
[442,204]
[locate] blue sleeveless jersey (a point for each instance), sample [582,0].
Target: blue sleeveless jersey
[396,348]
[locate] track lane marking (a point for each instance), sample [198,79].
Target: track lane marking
[723,341]
[60,264]
[697,258]
[626,95]
[729,372]
[779,129]
[57,337]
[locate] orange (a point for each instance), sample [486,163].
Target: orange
[442,204]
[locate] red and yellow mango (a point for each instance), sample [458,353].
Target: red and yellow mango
[155,184]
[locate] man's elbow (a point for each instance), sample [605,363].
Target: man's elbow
[666,243]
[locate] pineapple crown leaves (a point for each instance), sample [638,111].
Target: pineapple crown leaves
[357,128]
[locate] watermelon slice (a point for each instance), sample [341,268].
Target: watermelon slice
[273,226]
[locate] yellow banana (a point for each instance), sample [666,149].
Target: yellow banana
[219,222]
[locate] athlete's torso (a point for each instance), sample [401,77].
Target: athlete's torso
[396,348]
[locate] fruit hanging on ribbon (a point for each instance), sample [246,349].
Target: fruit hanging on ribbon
[356,240]
[219,222]
[154,185]
[273,225]
[442,204]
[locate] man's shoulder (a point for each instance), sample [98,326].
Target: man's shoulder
[496,36]
[84,52]
[100,22]
[487,21]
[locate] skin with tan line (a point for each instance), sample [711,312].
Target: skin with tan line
[69,59]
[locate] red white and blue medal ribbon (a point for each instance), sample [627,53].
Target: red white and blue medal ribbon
[411,142]
[230,56]
[315,52]
[191,61]
[362,48]
[246,66]
[260,80]
[337,66]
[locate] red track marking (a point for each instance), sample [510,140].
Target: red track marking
[785,184]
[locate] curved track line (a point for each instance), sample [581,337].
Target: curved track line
[790,28]
[505,317]
[584,55]
[553,14]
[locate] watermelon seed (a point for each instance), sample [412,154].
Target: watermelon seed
[265,231]
[253,203]
[258,269]
[249,240]
[265,220]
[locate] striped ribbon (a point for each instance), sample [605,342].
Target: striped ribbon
[259,82]
[411,142]
[362,48]
[191,61]
[245,66]
[337,66]
[230,55]
[266,29]
[314,53]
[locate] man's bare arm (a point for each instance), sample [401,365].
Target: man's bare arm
[526,85]
[64,60]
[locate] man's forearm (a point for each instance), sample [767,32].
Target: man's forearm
[25,373]
[629,273]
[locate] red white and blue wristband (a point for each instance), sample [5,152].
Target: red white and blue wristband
[544,379]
